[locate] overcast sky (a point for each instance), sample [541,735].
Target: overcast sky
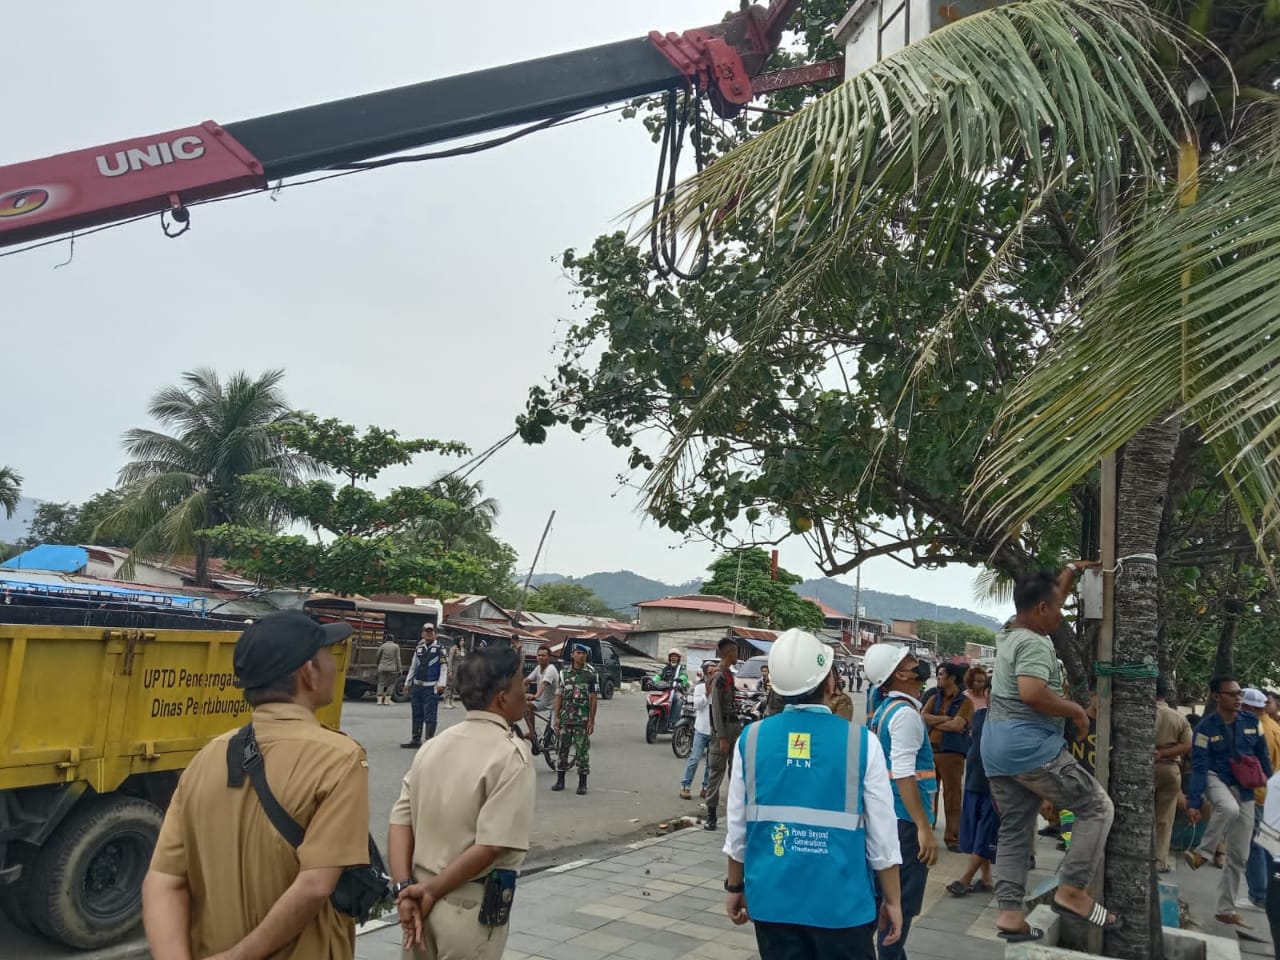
[426,298]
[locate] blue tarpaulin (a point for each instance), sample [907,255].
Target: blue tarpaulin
[51,557]
[34,584]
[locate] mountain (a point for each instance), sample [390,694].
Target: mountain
[13,529]
[886,606]
[623,588]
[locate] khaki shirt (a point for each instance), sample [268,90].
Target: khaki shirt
[471,784]
[235,862]
[389,657]
[1171,727]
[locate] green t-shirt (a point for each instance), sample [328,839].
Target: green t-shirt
[1018,738]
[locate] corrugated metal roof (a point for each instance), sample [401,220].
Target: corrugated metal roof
[51,584]
[53,557]
[709,603]
[830,613]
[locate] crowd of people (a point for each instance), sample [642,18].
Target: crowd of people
[263,851]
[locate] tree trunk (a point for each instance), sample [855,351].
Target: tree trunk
[202,562]
[1130,882]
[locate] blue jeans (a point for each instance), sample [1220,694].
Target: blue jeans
[1257,870]
[700,743]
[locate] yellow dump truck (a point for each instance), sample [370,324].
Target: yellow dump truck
[96,724]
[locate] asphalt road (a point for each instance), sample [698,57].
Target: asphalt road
[633,786]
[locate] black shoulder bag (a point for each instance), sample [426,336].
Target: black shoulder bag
[360,890]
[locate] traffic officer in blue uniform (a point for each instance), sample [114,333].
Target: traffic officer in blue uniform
[810,819]
[428,678]
[898,678]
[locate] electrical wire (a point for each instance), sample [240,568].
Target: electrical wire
[664,233]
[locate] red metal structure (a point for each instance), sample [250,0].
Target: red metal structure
[167,171]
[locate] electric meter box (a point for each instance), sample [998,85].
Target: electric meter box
[1091,594]
[874,29]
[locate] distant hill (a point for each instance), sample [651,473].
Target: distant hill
[623,588]
[885,606]
[13,529]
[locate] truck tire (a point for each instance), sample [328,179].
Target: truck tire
[400,692]
[354,689]
[14,898]
[85,886]
[607,693]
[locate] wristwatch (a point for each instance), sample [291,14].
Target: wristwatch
[734,887]
[397,888]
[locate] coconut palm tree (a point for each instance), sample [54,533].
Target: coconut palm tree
[10,490]
[1151,144]
[193,478]
[464,521]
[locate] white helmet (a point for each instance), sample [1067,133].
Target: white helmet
[673,652]
[881,660]
[798,662]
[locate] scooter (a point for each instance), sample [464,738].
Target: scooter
[658,707]
[682,732]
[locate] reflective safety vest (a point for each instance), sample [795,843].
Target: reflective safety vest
[427,661]
[806,852]
[926,776]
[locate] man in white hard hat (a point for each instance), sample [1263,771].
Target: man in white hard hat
[811,809]
[898,679]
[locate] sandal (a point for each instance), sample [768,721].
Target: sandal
[958,889]
[1232,919]
[979,886]
[1027,934]
[1097,916]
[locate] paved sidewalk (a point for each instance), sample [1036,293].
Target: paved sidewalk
[662,898]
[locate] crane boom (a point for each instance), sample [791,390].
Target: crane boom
[167,171]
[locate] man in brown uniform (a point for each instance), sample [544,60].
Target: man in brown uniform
[1173,741]
[948,714]
[725,726]
[223,883]
[465,811]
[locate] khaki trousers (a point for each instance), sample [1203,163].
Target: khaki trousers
[454,933]
[1168,787]
[950,767]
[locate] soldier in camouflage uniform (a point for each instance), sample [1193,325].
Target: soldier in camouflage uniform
[574,716]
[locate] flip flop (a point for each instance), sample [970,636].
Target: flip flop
[1028,934]
[979,887]
[1097,916]
[957,889]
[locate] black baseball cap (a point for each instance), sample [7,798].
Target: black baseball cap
[279,644]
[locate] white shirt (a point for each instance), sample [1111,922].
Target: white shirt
[879,818]
[1269,835]
[702,710]
[906,735]
[552,678]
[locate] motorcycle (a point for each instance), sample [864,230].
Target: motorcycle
[682,732]
[658,707]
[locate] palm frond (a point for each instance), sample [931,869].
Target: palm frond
[1071,90]
[1182,316]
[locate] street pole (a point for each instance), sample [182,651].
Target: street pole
[515,620]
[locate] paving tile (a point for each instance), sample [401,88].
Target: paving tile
[645,951]
[608,910]
[599,940]
[527,943]
[652,921]
[577,920]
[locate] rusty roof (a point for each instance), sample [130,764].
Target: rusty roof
[707,602]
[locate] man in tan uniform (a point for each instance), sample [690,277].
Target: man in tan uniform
[1173,741]
[223,883]
[389,669]
[465,811]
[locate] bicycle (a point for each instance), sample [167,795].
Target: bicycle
[549,741]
